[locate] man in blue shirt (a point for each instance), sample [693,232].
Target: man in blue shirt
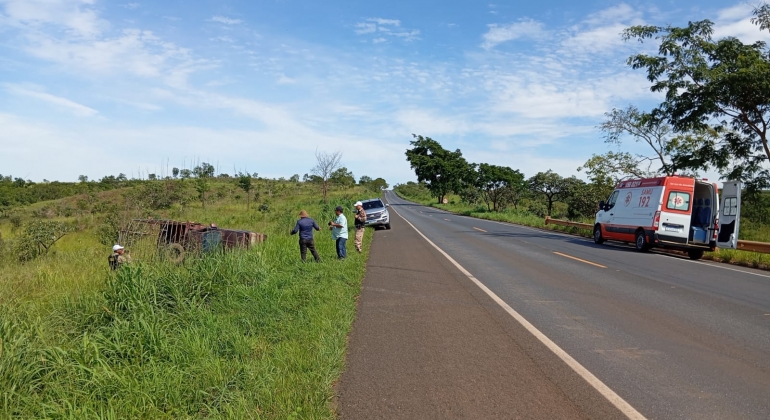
[339,228]
[305,226]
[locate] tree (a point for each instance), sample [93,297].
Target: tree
[203,173]
[343,177]
[498,185]
[377,185]
[83,178]
[175,172]
[550,185]
[326,164]
[39,237]
[364,180]
[721,85]
[152,177]
[583,198]
[646,128]
[612,167]
[441,170]
[294,178]
[244,183]
[185,173]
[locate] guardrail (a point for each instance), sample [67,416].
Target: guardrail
[549,221]
[751,246]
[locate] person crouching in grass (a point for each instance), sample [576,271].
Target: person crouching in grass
[305,226]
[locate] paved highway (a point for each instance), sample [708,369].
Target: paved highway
[676,339]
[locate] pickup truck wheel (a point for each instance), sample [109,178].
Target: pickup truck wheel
[387,226]
[695,254]
[641,243]
[598,238]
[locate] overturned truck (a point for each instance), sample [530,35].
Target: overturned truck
[171,240]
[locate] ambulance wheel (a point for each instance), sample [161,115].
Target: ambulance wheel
[695,254]
[641,243]
[598,238]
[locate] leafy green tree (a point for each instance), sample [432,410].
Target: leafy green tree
[342,177]
[722,85]
[364,180]
[441,170]
[499,185]
[39,237]
[377,185]
[203,173]
[175,172]
[552,186]
[185,173]
[583,198]
[612,167]
[294,178]
[244,183]
[83,178]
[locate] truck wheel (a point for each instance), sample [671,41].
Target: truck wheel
[695,254]
[641,243]
[598,238]
[387,226]
[175,253]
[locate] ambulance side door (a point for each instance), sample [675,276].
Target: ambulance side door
[729,215]
[605,216]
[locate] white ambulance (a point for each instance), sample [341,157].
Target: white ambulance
[671,212]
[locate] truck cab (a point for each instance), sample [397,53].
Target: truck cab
[672,212]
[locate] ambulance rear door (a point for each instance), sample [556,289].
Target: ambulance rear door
[729,215]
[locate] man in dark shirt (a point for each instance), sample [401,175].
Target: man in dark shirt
[305,226]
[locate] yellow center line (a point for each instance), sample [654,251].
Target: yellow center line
[480,230]
[578,259]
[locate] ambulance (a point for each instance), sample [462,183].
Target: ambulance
[672,212]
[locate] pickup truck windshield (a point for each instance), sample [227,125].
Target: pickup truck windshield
[373,205]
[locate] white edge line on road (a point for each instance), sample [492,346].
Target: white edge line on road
[584,373]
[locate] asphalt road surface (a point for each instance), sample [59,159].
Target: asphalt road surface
[672,338]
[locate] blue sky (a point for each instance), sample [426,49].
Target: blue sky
[99,87]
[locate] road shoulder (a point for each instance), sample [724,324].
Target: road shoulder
[427,343]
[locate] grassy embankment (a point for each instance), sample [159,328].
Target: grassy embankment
[749,231]
[244,334]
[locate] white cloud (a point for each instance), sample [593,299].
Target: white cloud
[131,6]
[736,21]
[498,34]
[385,27]
[365,28]
[75,15]
[36,93]
[225,20]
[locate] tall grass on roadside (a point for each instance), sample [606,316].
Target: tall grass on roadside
[250,334]
[242,334]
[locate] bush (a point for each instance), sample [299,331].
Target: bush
[38,238]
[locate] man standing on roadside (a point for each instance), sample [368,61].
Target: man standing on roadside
[339,228]
[305,226]
[360,224]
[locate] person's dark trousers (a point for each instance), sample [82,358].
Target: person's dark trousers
[304,245]
[342,251]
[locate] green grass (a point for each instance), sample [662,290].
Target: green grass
[245,334]
[749,231]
